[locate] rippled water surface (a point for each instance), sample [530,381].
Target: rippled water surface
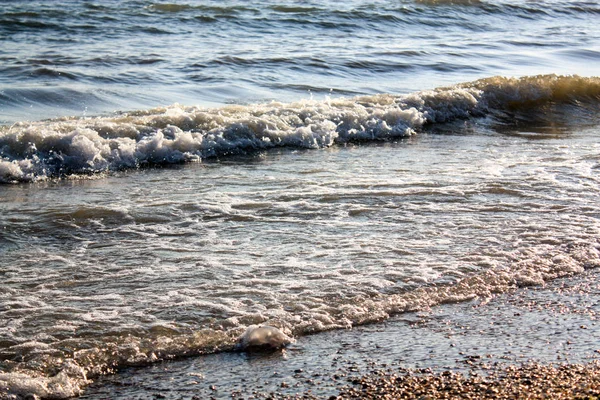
[328,165]
[84,57]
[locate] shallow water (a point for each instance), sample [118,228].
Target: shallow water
[164,262]
[552,325]
[136,236]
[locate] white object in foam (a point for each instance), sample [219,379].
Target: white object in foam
[257,336]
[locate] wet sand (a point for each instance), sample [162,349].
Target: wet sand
[540,342]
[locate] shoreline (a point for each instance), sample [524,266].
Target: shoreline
[523,333]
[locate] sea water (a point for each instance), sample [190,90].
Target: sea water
[173,173]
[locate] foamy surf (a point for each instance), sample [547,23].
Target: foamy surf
[496,219]
[63,369]
[33,151]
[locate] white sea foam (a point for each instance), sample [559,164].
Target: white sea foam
[69,382]
[292,296]
[275,328]
[174,134]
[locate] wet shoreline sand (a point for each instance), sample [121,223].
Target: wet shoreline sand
[538,338]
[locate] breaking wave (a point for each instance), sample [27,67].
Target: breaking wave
[33,151]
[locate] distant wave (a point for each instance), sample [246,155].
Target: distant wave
[32,151]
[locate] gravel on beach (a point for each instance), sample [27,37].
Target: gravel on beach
[501,381]
[531,381]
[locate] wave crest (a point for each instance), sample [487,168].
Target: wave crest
[176,134]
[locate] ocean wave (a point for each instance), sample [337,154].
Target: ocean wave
[32,151]
[62,369]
